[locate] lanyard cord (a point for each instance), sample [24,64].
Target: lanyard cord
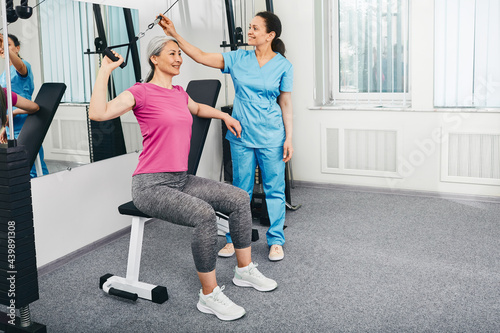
[158,19]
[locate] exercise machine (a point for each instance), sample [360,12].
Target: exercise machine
[18,269]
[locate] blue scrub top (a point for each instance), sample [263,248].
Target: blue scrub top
[23,86]
[255,103]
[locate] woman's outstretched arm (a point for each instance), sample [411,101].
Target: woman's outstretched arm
[206,111]
[25,105]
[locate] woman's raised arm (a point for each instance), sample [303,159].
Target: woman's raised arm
[100,109]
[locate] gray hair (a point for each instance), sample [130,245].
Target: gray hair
[155,47]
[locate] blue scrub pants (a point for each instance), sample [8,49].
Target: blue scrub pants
[270,161]
[45,170]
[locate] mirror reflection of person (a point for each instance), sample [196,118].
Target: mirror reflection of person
[263,80]
[161,186]
[21,78]
[24,105]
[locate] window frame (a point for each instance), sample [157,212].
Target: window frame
[455,92]
[327,64]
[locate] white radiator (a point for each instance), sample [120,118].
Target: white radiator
[69,137]
[369,152]
[471,158]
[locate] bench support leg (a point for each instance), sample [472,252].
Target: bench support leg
[130,287]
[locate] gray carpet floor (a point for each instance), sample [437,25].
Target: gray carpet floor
[355,261]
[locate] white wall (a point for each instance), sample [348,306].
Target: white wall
[72,209]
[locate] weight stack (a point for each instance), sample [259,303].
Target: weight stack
[18,270]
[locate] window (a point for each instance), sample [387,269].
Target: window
[467,53]
[362,49]
[67,31]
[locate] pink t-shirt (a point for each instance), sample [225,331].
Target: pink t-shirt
[14,97]
[165,123]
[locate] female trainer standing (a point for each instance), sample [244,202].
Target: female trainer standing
[21,78]
[263,81]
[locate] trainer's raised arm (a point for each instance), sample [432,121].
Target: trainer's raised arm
[214,60]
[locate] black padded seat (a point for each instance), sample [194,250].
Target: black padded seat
[130,209]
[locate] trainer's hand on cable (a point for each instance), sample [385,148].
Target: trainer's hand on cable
[111,65]
[233,125]
[287,150]
[167,25]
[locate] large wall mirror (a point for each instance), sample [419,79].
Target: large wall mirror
[62,41]
[71,48]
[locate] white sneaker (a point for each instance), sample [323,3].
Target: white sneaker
[220,305]
[227,251]
[276,252]
[253,278]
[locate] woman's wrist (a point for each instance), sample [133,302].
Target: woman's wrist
[174,34]
[106,71]
[225,116]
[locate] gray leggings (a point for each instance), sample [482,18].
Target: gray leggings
[192,201]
